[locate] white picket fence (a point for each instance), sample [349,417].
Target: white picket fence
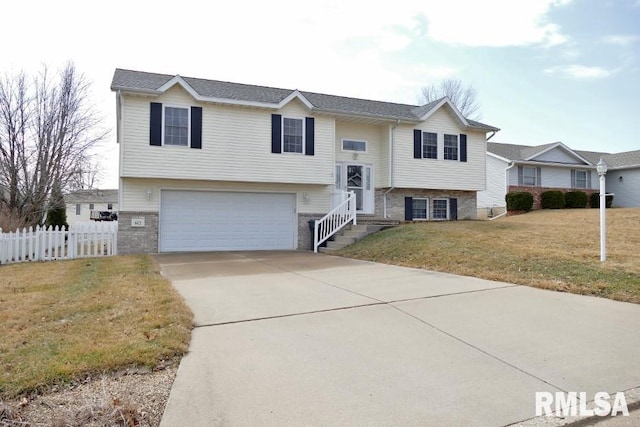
[48,244]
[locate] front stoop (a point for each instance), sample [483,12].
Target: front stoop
[352,233]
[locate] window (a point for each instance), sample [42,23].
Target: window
[109,206]
[91,206]
[338,177]
[292,135]
[450,147]
[529,176]
[581,179]
[77,208]
[176,126]
[440,209]
[353,145]
[420,209]
[429,145]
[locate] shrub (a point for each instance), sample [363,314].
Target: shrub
[575,199]
[552,199]
[519,201]
[594,200]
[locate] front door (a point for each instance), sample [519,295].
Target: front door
[357,177]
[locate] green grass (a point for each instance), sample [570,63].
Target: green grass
[61,320]
[556,249]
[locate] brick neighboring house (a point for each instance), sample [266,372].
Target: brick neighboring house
[555,166]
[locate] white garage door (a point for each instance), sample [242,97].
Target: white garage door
[221,221]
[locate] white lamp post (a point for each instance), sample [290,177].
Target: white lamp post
[601,167]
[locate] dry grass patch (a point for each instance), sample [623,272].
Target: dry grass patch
[62,320]
[552,249]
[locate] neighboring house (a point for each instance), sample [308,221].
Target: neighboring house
[211,165]
[554,166]
[623,176]
[81,203]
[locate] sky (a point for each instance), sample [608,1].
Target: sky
[544,70]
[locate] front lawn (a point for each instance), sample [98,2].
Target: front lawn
[551,249]
[61,320]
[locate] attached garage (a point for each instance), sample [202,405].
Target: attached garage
[193,221]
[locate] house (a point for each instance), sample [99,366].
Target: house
[211,165]
[554,166]
[81,203]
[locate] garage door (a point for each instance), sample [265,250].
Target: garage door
[221,221]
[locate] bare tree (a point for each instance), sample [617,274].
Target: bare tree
[47,129]
[465,98]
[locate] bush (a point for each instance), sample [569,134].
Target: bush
[575,199]
[594,200]
[519,201]
[552,199]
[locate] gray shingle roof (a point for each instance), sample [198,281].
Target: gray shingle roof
[92,196]
[521,152]
[151,82]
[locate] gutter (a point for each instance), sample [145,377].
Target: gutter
[391,187]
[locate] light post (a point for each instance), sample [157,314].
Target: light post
[601,167]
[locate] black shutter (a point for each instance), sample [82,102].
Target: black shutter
[276,133]
[309,136]
[408,208]
[196,127]
[463,147]
[453,209]
[155,129]
[417,144]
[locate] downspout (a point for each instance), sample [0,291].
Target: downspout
[492,135]
[506,187]
[391,187]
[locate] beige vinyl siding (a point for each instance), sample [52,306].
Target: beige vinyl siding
[377,148]
[439,174]
[496,190]
[134,192]
[236,145]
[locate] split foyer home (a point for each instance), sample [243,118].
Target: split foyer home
[210,165]
[555,166]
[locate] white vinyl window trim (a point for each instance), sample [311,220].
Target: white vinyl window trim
[420,209]
[451,150]
[165,136]
[284,135]
[581,179]
[355,145]
[440,209]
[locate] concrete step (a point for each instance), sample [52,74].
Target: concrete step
[336,245]
[346,239]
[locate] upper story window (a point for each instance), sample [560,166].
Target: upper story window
[78,208]
[176,126]
[450,147]
[429,145]
[354,145]
[292,135]
[109,206]
[91,206]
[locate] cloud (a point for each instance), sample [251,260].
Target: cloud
[494,23]
[581,72]
[620,39]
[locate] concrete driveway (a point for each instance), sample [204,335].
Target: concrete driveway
[296,338]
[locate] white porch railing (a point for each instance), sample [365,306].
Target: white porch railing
[48,244]
[332,222]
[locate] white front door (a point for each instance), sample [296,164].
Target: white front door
[357,177]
